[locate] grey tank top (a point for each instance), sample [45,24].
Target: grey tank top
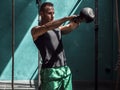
[51,49]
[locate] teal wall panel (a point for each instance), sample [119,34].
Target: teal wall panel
[105,39]
[25,60]
[79,44]
[79,47]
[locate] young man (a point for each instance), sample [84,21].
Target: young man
[55,74]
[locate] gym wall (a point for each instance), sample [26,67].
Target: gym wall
[79,45]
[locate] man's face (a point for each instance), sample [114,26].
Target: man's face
[48,14]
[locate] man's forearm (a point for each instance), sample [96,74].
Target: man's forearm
[56,23]
[69,27]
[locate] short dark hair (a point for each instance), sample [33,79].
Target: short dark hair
[44,5]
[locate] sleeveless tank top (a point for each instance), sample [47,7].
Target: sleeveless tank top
[51,49]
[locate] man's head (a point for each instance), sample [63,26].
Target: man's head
[46,12]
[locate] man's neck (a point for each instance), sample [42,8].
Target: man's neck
[42,23]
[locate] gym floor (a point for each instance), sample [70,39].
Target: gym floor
[76,86]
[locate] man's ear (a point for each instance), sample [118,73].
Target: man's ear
[41,13]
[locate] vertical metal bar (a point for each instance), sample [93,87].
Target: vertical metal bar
[118,35]
[13,42]
[38,2]
[96,45]
[39,59]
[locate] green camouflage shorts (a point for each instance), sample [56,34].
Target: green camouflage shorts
[59,78]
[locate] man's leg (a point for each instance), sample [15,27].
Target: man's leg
[56,79]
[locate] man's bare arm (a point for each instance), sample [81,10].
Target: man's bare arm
[40,30]
[69,27]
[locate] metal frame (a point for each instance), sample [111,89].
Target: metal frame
[118,36]
[38,2]
[96,45]
[13,41]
